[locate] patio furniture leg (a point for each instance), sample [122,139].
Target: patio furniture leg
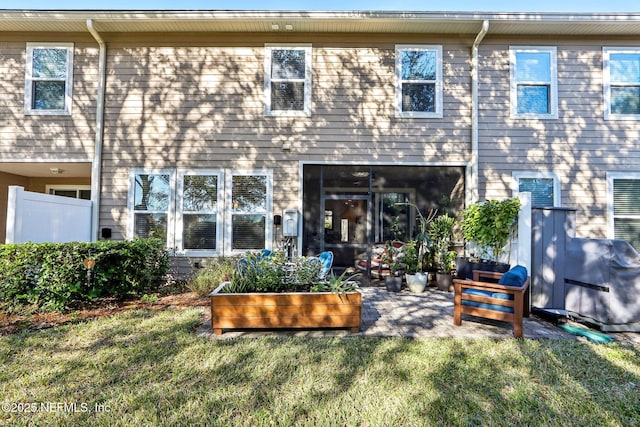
[457,305]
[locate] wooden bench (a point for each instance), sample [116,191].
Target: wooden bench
[491,300]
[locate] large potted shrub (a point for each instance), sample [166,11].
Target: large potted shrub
[412,264]
[391,258]
[441,233]
[415,252]
[489,226]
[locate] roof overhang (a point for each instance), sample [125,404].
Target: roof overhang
[613,24]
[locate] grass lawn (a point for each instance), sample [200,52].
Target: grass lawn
[147,367]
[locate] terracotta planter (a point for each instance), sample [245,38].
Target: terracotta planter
[306,310]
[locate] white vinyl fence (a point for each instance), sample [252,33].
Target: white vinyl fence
[39,218]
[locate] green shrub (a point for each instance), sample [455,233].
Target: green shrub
[217,270]
[490,225]
[52,276]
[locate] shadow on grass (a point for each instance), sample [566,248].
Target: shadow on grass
[151,368]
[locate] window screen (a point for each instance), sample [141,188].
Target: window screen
[541,190]
[151,206]
[199,211]
[626,210]
[624,72]
[249,205]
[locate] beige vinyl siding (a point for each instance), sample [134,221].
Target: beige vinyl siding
[182,106]
[47,137]
[580,146]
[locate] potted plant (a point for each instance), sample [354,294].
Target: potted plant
[390,257]
[489,226]
[412,264]
[441,232]
[444,276]
[415,252]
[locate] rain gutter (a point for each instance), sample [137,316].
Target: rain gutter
[96,165]
[472,193]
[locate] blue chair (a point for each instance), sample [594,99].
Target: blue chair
[326,259]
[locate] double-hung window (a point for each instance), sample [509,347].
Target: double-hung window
[534,86]
[544,187]
[418,81]
[287,80]
[249,202]
[151,203]
[624,207]
[48,78]
[199,213]
[621,83]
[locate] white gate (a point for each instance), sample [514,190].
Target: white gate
[39,218]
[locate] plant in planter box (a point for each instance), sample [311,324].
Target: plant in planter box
[270,292]
[490,225]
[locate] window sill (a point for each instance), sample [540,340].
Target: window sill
[47,113]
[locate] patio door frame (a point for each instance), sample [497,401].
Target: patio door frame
[349,196]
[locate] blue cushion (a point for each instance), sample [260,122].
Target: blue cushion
[514,277]
[490,294]
[493,307]
[478,292]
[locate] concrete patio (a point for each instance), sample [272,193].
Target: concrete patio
[424,315]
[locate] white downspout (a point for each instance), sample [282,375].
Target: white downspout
[472,194]
[96,166]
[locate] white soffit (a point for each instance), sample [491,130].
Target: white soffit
[321,22]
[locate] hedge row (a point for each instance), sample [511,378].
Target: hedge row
[52,276]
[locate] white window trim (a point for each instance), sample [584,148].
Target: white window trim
[611,177]
[438,113]
[171,207]
[28,88]
[228,220]
[180,213]
[68,187]
[517,175]
[308,60]
[553,89]
[606,78]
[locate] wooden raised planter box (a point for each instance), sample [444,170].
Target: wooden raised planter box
[304,310]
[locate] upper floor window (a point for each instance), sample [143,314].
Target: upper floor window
[287,80]
[48,78]
[418,81]
[622,83]
[534,86]
[543,186]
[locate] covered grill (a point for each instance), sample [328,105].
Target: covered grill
[602,283]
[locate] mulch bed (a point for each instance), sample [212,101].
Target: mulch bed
[10,323]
